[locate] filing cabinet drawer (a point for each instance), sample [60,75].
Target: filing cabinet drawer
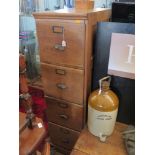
[62,136]
[50,35]
[63,83]
[60,150]
[65,113]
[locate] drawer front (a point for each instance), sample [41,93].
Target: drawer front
[63,83]
[64,113]
[50,35]
[59,149]
[63,137]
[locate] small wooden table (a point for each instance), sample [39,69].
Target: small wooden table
[29,139]
[87,144]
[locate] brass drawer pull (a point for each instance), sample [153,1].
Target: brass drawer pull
[65,117]
[60,71]
[65,141]
[59,47]
[61,86]
[63,105]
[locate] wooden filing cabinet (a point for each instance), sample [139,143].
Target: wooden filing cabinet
[66,70]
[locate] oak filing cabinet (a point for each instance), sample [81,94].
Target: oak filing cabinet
[65,42]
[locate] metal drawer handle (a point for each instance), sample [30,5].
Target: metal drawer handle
[66,141]
[59,47]
[61,86]
[60,71]
[64,131]
[65,117]
[63,105]
[57,29]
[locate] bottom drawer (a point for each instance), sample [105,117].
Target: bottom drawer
[63,137]
[57,150]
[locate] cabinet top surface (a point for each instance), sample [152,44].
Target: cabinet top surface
[69,12]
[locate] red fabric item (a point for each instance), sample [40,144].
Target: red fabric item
[39,105]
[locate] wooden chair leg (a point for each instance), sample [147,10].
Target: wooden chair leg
[46,149]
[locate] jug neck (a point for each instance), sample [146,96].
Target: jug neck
[105,86]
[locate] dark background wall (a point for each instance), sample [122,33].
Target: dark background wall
[123,12]
[124,88]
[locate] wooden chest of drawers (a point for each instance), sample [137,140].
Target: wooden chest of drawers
[66,70]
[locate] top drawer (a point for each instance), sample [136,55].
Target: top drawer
[50,35]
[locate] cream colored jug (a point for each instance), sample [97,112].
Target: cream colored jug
[102,110]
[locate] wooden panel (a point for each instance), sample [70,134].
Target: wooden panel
[63,83]
[65,113]
[50,33]
[63,137]
[69,13]
[93,18]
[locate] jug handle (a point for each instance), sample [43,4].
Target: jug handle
[103,79]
